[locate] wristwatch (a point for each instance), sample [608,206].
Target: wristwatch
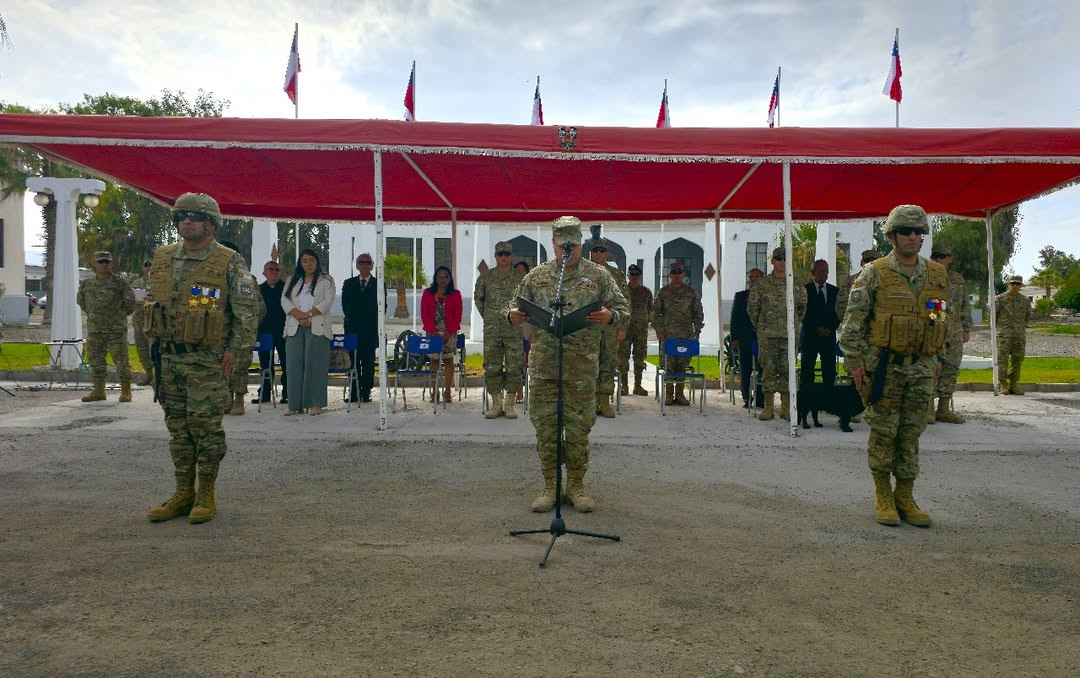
[614,318]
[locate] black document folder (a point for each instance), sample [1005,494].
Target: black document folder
[540,317]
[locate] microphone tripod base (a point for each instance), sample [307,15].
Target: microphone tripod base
[557,529]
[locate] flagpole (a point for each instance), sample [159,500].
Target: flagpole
[296,102]
[778,96]
[897,39]
[414,91]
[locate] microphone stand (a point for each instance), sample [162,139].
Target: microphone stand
[558,527]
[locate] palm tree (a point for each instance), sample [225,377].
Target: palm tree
[397,271]
[4,39]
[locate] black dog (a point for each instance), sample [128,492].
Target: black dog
[842,400]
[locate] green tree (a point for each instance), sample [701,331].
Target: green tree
[1069,294]
[397,271]
[315,236]
[5,39]
[967,239]
[803,250]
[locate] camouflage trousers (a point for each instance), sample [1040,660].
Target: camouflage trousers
[1011,348]
[773,355]
[579,415]
[609,355]
[636,344]
[950,367]
[193,395]
[238,378]
[113,343]
[896,422]
[672,364]
[142,344]
[503,360]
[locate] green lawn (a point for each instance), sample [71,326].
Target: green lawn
[1059,329]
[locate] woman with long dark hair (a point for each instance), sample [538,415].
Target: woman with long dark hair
[440,311]
[307,300]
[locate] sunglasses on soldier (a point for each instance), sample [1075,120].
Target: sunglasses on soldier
[504,253]
[678,271]
[599,249]
[190,216]
[908,230]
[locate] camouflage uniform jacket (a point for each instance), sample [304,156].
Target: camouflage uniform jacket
[844,294]
[107,303]
[677,312]
[583,284]
[493,293]
[958,313]
[260,303]
[620,281]
[1013,312]
[641,305]
[767,307]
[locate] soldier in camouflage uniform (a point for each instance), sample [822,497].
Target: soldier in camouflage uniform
[637,334]
[108,300]
[203,315]
[238,378]
[868,257]
[1013,313]
[503,354]
[767,307]
[583,283]
[892,337]
[142,344]
[958,319]
[676,314]
[610,344]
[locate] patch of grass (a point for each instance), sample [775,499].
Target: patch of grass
[1034,371]
[1060,329]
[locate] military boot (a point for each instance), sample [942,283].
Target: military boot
[603,406]
[638,390]
[680,396]
[237,408]
[179,504]
[125,391]
[508,406]
[884,505]
[147,378]
[546,500]
[785,406]
[496,409]
[931,415]
[1015,388]
[669,395]
[767,411]
[204,508]
[906,506]
[945,412]
[575,491]
[97,393]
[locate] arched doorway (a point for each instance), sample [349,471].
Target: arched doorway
[691,256]
[525,250]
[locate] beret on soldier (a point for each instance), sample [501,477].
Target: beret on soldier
[504,246]
[909,216]
[869,255]
[566,229]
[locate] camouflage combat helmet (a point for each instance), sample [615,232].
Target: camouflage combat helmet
[198,202]
[910,216]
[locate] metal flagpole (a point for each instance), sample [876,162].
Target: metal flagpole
[380,251]
[537,246]
[897,75]
[296,102]
[778,96]
[991,300]
[789,279]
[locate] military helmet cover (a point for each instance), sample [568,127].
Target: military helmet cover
[909,216]
[198,202]
[940,249]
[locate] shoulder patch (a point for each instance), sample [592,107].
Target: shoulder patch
[246,289]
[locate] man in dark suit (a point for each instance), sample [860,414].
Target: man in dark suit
[742,337]
[360,303]
[273,323]
[819,326]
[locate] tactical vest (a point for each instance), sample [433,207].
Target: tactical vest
[194,312]
[906,324]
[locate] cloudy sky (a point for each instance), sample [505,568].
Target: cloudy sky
[985,63]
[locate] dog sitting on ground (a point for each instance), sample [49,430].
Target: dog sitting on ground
[841,399]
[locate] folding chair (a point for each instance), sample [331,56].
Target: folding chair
[459,367]
[682,348]
[263,343]
[54,352]
[431,348]
[346,343]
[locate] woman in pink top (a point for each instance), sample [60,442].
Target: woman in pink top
[440,311]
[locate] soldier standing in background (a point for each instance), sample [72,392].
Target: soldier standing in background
[503,352]
[677,314]
[868,257]
[637,335]
[142,344]
[610,344]
[958,319]
[1013,313]
[238,380]
[203,314]
[893,336]
[583,283]
[108,300]
[767,307]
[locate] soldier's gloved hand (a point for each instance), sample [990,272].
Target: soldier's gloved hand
[859,375]
[517,317]
[600,317]
[227,362]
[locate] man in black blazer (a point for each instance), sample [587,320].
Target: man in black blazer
[274,325]
[360,303]
[742,337]
[819,326]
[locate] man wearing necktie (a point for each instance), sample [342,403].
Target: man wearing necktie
[819,326]
[360,304]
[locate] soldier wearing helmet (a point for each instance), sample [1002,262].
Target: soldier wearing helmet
[202,315]
[893,337]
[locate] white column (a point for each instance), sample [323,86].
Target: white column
[710,289]
[825,248]
[263,238]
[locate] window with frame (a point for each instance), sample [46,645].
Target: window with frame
[444,254]
[757,256]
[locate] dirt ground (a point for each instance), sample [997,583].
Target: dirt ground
[339,550]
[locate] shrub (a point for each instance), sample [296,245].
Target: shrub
[1069,294]
[1044,307]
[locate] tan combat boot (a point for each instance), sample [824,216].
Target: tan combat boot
[508,406]
[237,408]
[669,395]
[575,491]
[767,411]
[680,396]
[906,506]
[884,505]
[946,413]
[638,390]
[546,500]
[147,378]
[179,504]
[931,416]
[125,391]
[204,508]
[1015,388]
[496,409]
[603,406]
[785,406]
[97,393]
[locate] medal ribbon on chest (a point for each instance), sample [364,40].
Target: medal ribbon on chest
[937,308]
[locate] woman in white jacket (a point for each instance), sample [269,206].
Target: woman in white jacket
[307,300]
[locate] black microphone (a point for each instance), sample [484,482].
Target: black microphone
[567,247]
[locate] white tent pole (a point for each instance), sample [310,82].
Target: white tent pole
[538,244]
[991,300]
[380,254]
[412,283]
[790,288]
[660,268]
[719,294]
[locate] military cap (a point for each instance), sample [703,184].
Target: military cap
[907,216]
[870,255]
[599,242]
[778,253]
[675,265]
[566,229]
[504,246]
[1016,280]
[102,254]
[940,249]
[633,268]
[198,202]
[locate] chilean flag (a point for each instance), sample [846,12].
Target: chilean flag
[410,95]
[664,118]
[892,83]
[538,107]
[293,70]
[774,101]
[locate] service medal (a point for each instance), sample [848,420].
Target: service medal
[215,294]
[193,302]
